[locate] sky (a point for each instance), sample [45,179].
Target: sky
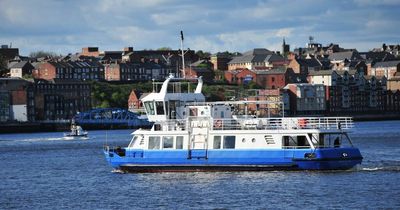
[66,26]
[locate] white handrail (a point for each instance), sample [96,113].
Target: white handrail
[326,123]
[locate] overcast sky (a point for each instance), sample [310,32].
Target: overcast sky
[65,26]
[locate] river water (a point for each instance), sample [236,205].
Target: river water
[44,171]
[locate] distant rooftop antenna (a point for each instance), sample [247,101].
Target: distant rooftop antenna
[311,38]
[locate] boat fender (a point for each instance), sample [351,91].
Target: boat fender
[218,123]
[302,122]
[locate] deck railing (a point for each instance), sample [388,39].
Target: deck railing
[327,123]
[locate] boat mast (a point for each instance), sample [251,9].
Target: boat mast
[183,56]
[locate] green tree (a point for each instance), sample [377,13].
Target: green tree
[203,55]
[164,48]
[3,67]
[40,53]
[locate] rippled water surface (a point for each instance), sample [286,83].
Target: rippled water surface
[44,171]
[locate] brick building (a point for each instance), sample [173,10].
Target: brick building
[130,71]
[386,68]
[61,99]
[83,70]
[274,78]
[16,100]
[90,51]
[242,76]
[259,58]
[220,61]
[302,66]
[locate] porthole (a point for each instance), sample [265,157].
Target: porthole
[253,140]
[243,140]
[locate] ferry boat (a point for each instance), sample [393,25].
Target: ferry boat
[190,134]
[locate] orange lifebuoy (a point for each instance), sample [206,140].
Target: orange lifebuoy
[302,122]
[218,123]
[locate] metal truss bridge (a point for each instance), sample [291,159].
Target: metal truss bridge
[111,116]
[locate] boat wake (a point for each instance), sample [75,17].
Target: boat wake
[387,165]
[383,168]
[117,171]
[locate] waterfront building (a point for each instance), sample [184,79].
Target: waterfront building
[16,100]
[393,84]
[306,99]
[351,91]
[61,99]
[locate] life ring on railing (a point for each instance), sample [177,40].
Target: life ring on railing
[302,122]
[218,123]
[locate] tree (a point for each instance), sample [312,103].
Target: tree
[164,48]
[203,55]
[40,53]
[3,67]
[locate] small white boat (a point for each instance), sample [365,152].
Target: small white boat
[76,133]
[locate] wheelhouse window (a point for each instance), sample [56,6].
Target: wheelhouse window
[135,138]
[168,142]
[179,142]
[149,105]
[154,142]
[229,142]
[217,142]
[160,107]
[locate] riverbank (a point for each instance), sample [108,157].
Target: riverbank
[54,127]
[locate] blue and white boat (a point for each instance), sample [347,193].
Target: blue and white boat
[190,134]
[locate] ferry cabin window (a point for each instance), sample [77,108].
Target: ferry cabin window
[149,107]
[179,142]
[217,142]
[154,142]
[168,142]
[160,107]
[295,142]
[229,142]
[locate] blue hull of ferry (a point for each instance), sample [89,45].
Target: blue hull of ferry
[233,160]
